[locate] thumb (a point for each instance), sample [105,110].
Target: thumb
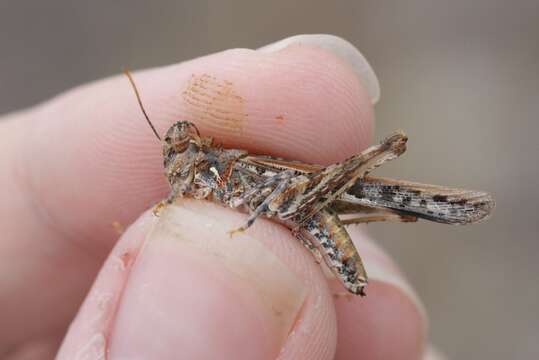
[179,286]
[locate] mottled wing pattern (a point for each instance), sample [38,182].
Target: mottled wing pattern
[435,203]
[430,202]
[312,192]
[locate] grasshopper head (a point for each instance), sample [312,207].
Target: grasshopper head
[181,145]
[179,136]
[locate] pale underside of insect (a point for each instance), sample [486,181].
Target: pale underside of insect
[315,202]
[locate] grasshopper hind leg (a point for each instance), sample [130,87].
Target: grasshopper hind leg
[329,236]
[308,244]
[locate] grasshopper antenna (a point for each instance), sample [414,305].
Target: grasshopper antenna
[128,74]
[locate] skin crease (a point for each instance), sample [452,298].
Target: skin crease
[58,216]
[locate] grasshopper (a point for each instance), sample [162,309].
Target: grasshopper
[316,203]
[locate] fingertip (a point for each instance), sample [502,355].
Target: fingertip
[341,48]
[213,296]
[390,322]
[385,324]
[183,283]
[327,114]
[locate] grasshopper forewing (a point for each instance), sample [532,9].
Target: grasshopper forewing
[371,194]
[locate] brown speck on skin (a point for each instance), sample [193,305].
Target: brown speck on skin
[127,258]
[279,119]
[277,312]
[118,228]
[214,101]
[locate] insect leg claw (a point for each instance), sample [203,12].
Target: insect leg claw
[235,231]
[241,229]
[158,207]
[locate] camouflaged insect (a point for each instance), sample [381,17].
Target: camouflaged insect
[315,202]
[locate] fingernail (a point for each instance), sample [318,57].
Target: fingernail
[431,353]
[195,291]
[341,48]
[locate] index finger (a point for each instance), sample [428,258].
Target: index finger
[301,103]
[87,159]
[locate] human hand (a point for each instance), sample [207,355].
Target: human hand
[178,286]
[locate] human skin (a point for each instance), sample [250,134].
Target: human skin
[178,286]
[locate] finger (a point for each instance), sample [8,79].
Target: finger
[390,322]
[87,159]
[342,49]
[302,103]
[180,287]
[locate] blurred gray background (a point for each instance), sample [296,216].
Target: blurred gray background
[461,77]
